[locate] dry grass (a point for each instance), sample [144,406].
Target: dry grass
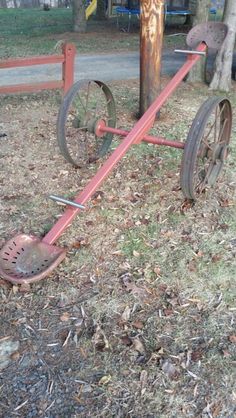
[139,319]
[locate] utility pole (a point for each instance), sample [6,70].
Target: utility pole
[151,38]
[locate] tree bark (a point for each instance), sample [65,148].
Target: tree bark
[197,73]
[3,4]
[101,10]
[223,66]
[35,3]
[79,19]
[25,4]
[60,4]
[151,37]
[192,5]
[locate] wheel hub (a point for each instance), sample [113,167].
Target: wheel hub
[91,125]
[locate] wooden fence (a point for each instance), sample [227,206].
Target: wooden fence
[66,59]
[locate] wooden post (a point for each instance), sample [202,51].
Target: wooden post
[109,8]
[66,59]
[69,52]
[151,36]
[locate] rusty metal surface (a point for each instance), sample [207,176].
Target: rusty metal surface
[26,259]
[101,128]
[136,134]
[206,147]
[85,103]
[212,33]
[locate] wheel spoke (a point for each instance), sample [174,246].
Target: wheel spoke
[87,96]
[222,131]
[215,124]
[202,160]
[82,105]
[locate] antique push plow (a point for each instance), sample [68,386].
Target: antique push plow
[86,125]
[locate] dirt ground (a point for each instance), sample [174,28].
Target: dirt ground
[139,320]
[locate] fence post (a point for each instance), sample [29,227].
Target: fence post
[69,52]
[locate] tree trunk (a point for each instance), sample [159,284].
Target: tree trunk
[192,5]
[3,4]
[36,3]
[197,73]
[25,4]
[101,10]
[79,19]
[223,67]
[151,37]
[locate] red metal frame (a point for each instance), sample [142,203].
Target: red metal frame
[101,128]
[66,59]
[136,135]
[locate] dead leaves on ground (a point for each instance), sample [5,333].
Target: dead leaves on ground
[100,340]
[170,369]
[232,338]
[142,293]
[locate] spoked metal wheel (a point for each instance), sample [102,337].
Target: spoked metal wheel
[206,147]
[84,104]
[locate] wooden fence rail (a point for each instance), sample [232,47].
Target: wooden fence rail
[67,59]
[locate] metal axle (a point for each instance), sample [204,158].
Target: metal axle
[101,128]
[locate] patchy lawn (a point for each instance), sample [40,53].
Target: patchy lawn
[27,32]
[139,320]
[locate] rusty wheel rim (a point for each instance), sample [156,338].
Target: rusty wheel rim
[206,147]
[85,103]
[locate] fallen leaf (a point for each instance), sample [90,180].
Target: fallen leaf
[15,356]
[196,355]
[143,380]
[15,289]
[138,324]
[136,254]
[226,353]
[126,314]
[7,348]
[126,340]
[98,195]
[105,380]
[65,317]
[168,312]
[225,203]
[168,234]
[232,339]
[199,253]
[142,293]
[215,258]
[186,205]
[170,369]
[80,242]
[25,287]
[5,283]
[100,340]
[157,270]
[138,345]
[192,265]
